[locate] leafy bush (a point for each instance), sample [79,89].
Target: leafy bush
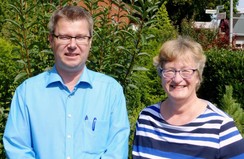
[208,38]
[9,68]
[223,67]
[26,27]
[3,117]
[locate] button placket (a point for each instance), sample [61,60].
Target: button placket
[69,127]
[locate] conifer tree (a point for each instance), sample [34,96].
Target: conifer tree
[234,109]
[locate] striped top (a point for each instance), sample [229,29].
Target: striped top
[212,135]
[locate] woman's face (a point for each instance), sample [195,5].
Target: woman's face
[177,87]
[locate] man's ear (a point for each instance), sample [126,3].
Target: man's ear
[90,42]
[50,39]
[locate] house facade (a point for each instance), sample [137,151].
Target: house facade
[238,30]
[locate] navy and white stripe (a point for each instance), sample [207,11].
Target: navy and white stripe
[212,135]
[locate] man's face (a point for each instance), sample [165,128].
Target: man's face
[70,54]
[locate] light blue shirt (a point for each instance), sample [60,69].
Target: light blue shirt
[47,121]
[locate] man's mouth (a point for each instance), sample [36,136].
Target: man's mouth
[70,54]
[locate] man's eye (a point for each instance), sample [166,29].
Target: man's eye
[80,38]
[64,37]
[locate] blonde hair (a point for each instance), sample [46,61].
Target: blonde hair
[182,47]
[70,13]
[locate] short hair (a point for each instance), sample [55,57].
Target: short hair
[70,13]
[181,47]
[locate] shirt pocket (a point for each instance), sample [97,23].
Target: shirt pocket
[96,135]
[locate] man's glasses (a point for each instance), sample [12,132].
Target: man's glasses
[171,73]
[66,39]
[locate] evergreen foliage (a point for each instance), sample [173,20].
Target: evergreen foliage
[234,109]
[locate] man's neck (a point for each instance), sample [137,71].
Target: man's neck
[70,78]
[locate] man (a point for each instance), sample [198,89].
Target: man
[68,112]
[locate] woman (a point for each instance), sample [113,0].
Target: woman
[183,125]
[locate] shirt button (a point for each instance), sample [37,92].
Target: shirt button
[68,157]
[69,136]
[69,115]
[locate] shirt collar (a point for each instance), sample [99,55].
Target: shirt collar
[54,77]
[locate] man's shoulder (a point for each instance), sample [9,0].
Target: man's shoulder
[102,77]
[38,79]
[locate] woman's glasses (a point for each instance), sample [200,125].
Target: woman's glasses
[171,73]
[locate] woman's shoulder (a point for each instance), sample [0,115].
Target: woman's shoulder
[151,110]
[214,111]
[153,107]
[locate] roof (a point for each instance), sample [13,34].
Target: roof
[238,24]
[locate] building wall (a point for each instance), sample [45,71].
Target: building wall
[116,14]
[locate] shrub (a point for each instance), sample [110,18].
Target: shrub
[223,67]
[208,38]
[9,68]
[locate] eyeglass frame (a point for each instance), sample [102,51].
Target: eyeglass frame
[175,71]
[71,37]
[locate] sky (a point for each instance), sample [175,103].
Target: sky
[240,7]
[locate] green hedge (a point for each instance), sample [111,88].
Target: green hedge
[223,67]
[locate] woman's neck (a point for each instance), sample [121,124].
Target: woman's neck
[179,112]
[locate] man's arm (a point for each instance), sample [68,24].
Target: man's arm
[17,137]
[119,130]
